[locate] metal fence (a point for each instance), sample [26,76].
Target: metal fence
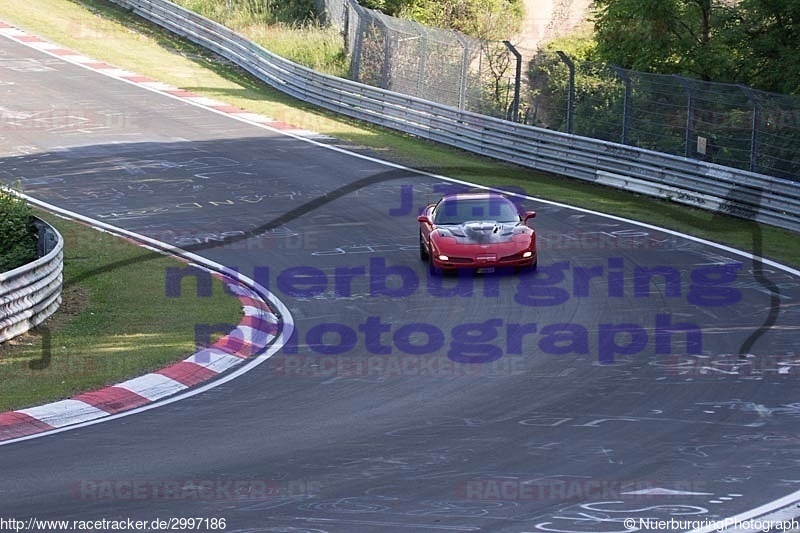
[31,293]
[439,65]
[731,125]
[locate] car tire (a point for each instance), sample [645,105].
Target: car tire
[529,268]
[423,250]
[433,269]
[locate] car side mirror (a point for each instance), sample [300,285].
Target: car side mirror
[529,215]
[424,218]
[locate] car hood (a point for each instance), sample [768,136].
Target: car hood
[482,231]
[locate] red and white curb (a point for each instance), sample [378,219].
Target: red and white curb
[261,332]
[257,330]
[101,67]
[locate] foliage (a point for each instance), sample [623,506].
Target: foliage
[665,36]
[309,44]
[294,10]
[490,89]
[288,29]
[764,37]
[749,42]
[596,90]
[390,7]
[484,19]
[17,239]
[273,11]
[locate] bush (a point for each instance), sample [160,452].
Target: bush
[17,238]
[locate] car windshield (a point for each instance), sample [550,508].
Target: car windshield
[458,211]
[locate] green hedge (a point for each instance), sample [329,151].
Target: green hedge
[17,237]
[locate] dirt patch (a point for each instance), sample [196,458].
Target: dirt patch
[74,301]
[547,19]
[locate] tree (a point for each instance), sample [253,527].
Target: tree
[665,36]
[598,95]
[17,239]
[390,7]
[764,35]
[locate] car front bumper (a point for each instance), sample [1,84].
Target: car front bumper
[463,263]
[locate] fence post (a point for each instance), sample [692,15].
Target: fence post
[517,80]
[626,102]
[422,63]
[355,61]
[754,127]
[387,60]
[462,86]
[348,49]
[571,90]
[687,134]
[321,11]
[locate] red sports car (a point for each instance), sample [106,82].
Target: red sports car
[480,231]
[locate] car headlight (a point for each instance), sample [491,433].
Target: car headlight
[527,254]
[444,258]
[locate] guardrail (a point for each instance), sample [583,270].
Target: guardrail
[721,189]
[31,293]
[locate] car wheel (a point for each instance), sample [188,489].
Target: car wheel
[423,250]
[530,268]
[433,269]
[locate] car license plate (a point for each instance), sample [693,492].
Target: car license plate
[485,270]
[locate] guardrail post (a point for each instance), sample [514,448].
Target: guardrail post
[756,123]
[517,81]
[571,89]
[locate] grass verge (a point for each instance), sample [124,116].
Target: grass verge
[116,322]
[308,43]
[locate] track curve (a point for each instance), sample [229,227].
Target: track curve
[596,410]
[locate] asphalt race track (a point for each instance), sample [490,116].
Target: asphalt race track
[608,385]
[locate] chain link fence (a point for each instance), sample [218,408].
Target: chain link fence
[731,125]
[442,66]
